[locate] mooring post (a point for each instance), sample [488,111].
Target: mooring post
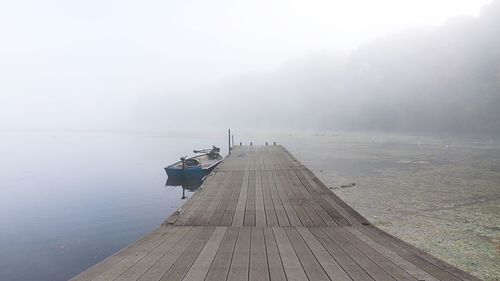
[240,143]
[183,193]
[229,139]
[274,143]
[250,143]
[232,139]
[266,143]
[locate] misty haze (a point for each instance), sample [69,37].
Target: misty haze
[393,105]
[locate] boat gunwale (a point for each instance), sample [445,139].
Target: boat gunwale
[172,166]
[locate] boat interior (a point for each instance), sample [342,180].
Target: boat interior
[203,160]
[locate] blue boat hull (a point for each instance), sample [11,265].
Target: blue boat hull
[186,171]
[191,172]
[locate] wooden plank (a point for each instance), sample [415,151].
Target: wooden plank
[201,265]
[182,265]
[264,155]
[310,264]
[201,202]
[239,213]
[301,203]
[367,264]
[276,270]
[375,256]
[260,157]
[307,201]
[235,187]
[271,218]
[155,272]
[220,267]
[346,211]
[330,206]
[291,263]
[216,217]
[329,264]
[205,214]
[138,269]
[414,256]
[260,212]
[250,205]
[276,201]
[109,262]
[238,270]
[173,218]
[295,200]
[258,258]
[412,269]
[313,209]
[318,203]
[293,218]
[448,269]
[268,159]
[344,260]
[247,161]
[206,192]
[254,160]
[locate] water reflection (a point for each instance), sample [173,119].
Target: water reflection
[187,183]
[55,222]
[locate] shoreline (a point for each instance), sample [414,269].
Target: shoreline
[441,199]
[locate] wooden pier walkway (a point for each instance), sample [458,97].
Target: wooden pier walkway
[262,215]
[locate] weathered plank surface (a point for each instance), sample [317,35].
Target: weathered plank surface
[262,215]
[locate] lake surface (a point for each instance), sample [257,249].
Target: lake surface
[68,200]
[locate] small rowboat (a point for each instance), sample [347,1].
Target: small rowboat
[195,167]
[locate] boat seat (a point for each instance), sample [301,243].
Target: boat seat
[191,162]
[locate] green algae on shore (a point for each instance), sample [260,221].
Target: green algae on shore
[440,195]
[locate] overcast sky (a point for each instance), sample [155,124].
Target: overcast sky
[83,63]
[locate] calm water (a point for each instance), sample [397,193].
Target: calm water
[68,200]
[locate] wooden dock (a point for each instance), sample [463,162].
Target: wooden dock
[262,215]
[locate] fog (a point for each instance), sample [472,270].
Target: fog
[423,66]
